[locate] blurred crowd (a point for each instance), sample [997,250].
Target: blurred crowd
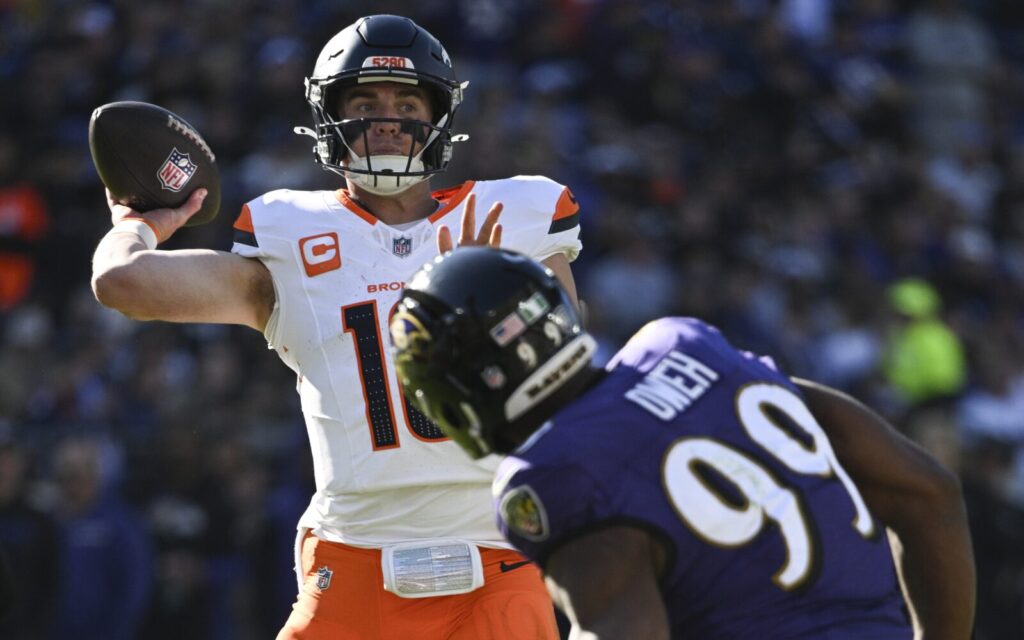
[837,183]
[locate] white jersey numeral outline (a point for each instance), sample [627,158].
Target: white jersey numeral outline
[722,522]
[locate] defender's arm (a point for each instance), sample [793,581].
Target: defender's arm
[914,496]
[607,584]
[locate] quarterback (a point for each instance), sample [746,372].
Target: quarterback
[398,541]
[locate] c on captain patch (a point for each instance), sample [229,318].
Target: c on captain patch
[323,578]
[524,513]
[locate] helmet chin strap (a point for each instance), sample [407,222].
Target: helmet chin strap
[388,177]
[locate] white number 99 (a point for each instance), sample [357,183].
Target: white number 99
[718,521]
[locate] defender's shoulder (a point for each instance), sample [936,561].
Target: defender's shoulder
[658,337]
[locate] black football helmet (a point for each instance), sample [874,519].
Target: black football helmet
[383,48]
[485,339]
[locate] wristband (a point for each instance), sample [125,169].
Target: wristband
[139,228]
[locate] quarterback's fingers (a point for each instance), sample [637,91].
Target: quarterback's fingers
[179,216]
[468,221]
[495,239]
[490,223]
[114,202]
[118,211]
[192,205]
[444,239]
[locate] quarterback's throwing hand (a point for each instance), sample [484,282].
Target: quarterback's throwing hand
[490,232]
[163,221]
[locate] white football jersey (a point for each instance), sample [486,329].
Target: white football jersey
[384,473]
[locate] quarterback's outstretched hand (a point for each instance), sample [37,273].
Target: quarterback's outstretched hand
[163,221]
[490,232]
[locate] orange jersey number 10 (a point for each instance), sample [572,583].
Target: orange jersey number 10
[362,322]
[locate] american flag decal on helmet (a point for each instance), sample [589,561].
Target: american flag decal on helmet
[176,171]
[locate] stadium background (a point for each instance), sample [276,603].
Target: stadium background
[837,183]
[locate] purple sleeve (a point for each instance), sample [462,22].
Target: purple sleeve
[540,507]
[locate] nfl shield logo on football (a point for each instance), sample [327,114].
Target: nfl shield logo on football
[401,246]
[323,578]
[176,171]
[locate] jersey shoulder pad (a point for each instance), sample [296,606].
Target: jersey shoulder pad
[286,202]
[538,198]
[274,214]
[658,337]
[284,210]
[537,192]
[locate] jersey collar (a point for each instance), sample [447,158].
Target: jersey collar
[449,198]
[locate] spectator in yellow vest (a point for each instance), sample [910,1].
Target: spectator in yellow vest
[924,358]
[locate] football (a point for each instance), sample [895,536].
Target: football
[151,158]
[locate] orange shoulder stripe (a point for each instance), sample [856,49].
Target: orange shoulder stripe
[244,220]
[566,205]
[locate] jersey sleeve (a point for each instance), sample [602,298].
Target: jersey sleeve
[245,242]
[549,222]
[539,509]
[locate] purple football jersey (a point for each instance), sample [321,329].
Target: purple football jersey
[712,451]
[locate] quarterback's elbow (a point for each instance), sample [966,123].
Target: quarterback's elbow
[118,288]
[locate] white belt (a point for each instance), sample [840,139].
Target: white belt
[432,568]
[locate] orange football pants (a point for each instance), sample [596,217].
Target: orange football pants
[513,603]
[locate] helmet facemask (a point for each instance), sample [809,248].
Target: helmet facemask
[383,48]
[429,153]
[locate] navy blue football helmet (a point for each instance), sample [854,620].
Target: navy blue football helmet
[383,48]
[486,342]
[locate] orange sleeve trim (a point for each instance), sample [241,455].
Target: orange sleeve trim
[350,204]
[566,205]
[156,232]
[142,219]
[244,220]
[451,198]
